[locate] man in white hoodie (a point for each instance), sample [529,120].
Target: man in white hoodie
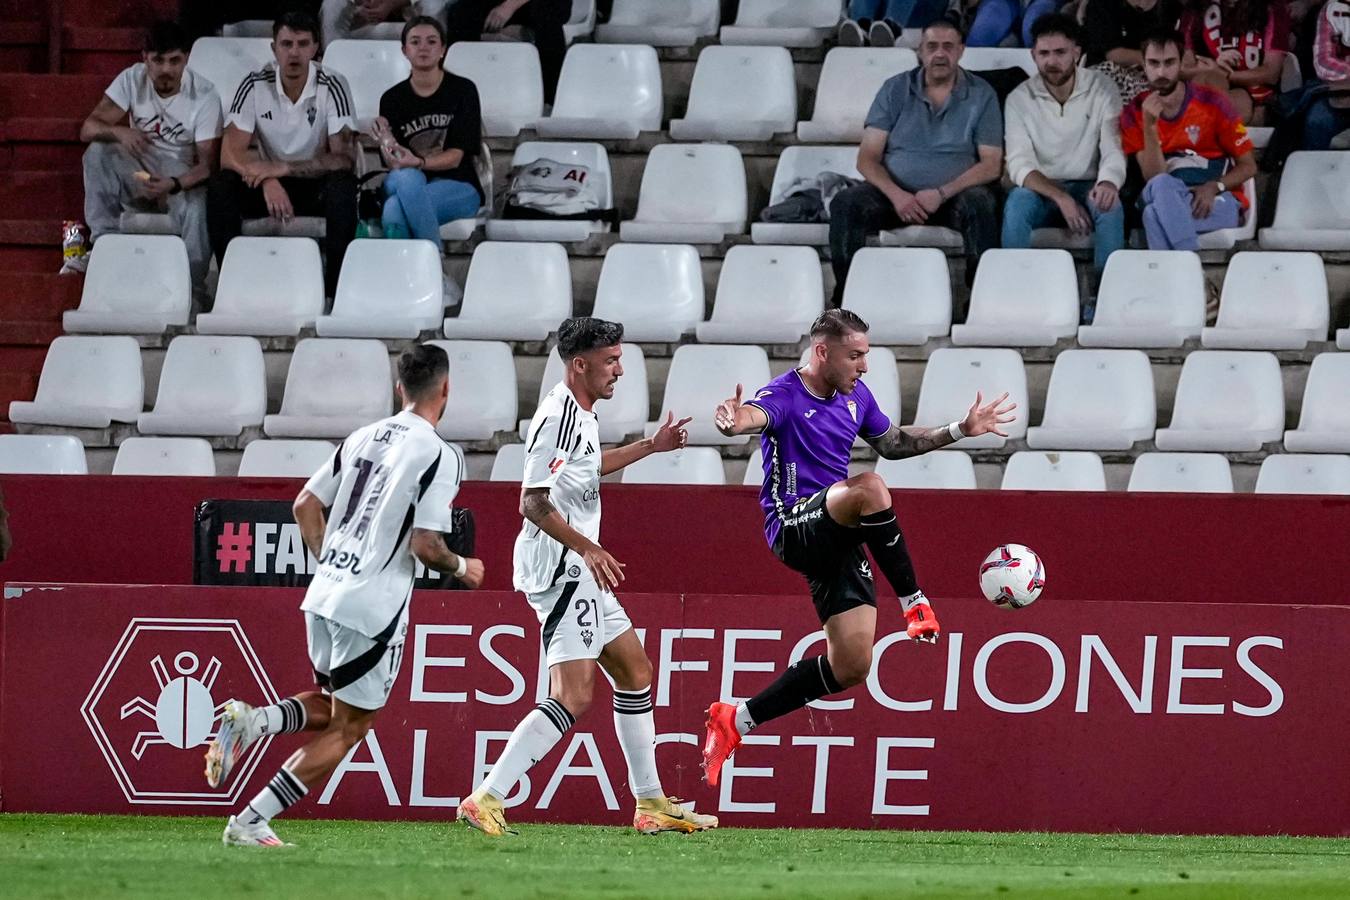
[1062,135]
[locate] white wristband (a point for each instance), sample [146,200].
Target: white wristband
[462,568]
[955,431]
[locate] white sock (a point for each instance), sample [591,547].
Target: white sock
[906,603]
[285,717]
[744,723]
[635,725]
[536,734]
[282,792]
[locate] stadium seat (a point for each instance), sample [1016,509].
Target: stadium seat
[739,94]
[1097,400]
[224,61]
[940,469]
[483,399]
[298,227]
[904,293]
[209,385]
[987,59]
[1313,209]
[655,290]
[690,194]
[1271,301]
[754,470]
[1074,470]
[1148,298]
[606,91]
[86,382]
[582,20]
[849,81]
[1227,401]
[1324,423]
[1021,298]
[463,229]
[701,377]
[371,68]
[1343,339]
[515,291]
[509,464]
[623,414]
[387,289]
[136,284]
[284,459]
[783,23]
[1182,473]
[1228,238]
[952,378]
[921,236]
[1296,473]
[41,454]
[660,23]
[765,295]
[247,28]
[594,158]
[268,286]
[333,387]
[173,456]
[510,85]
[689,465]
[798,169]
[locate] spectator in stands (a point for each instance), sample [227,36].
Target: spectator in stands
[154,141]
[430,131]
[880,22]
[995,20]
[1113,31]
[348,18]
[1063,145]
[1237,46]
[299,115]
[932,148]
[1328,113]
[1192,149]
[469,20]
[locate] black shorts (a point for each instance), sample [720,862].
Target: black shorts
[830,555]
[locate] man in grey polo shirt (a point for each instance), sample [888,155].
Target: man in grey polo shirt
[931,151]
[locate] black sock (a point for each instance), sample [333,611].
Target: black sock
[881,531]
[802,682]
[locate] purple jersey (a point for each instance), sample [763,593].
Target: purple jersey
[808,441]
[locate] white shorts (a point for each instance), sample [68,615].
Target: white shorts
[578,620]
[356,669]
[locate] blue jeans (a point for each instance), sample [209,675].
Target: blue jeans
[1025,210]
[417,207]
[1169,222]
[996,19]
[1323,123]
[905,13]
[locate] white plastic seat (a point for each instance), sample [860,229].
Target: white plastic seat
[1021,298]
[739,94]
[783,23]
[224,61]
[1297,473]
[1313,209]
[882,378]
[701,377]
[387,289]
[1227,401]
[464,228]
[581,22]
[1098,400]
[921,236]
[482,390]
[315,227]
[41,454]
[655,290]
[606,91]
[268,286]
[690,194]
[1148,298]
[623,414]
[515,291]
[1343,339]
[940,469]
[903,293]
[371,67]
[754,470]
[689,465]
[596,160]
[1324,423]
[210,385]
[86,382]
[509,464]
[798,167]
[510,84]
[660,23]
[987,59]
[284,459]
[174,456]
[1181,473]
[1271,301]
[1227,238]
[765,295]
[1074,470]
[850,79]
[333,387]
[954,375]
[136,284]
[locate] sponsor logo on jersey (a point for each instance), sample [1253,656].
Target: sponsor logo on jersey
[556,465]
[810,413]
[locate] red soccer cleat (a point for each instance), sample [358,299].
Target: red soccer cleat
[722,740]
[923,625]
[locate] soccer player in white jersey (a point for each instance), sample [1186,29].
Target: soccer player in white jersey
[570,579]
[389,490]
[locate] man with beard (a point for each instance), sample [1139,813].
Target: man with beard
[1192,148]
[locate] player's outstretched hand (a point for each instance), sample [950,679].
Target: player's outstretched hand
[725,417]
[473,575]
[605,569]
[986,419]
[671,435]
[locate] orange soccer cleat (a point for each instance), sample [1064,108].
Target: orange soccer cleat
[722,741]
[923,625]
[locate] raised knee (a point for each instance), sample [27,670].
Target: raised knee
[872,486]
[402,179]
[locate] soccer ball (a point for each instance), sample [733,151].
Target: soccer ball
[1012,577]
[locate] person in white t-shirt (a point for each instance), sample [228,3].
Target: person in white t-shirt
[154,140]
[384,497]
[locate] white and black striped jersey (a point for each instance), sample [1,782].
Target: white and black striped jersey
[286,131]
[562,453]
[384,480]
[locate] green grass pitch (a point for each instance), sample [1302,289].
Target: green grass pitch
[143,856]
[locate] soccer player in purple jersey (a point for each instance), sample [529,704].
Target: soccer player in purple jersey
[817,519]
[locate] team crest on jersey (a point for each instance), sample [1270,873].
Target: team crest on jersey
[311,113]
[586,637]
[852,410]
[1193,132]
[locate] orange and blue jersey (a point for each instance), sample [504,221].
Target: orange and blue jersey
[1203,137]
